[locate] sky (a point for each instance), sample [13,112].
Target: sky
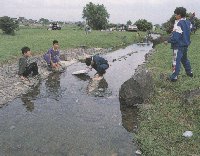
[155,11]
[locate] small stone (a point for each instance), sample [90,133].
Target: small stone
[138,152]
[19,146]
[101,89]
[12,127]
[114,154]
[187,134]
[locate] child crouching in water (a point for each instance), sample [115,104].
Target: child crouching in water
[99,64]
[52,57]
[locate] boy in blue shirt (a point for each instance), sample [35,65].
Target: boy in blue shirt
[52,57]
[180,41]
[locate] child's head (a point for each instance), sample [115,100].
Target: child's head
[180,12]
[26,51]
[55,44]
[88,61]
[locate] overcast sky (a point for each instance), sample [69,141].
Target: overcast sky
[155,11]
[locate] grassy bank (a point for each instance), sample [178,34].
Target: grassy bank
[39,40]
[167,117]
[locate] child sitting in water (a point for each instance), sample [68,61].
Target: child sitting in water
[52,57]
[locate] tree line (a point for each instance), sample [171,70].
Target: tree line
[97,17]
[168,26]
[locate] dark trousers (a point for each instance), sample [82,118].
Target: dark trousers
[31,69]
[181,58]
[101,69]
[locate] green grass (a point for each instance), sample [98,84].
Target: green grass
[163,123]
[40,40]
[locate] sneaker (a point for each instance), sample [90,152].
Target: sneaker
[172,80]
[190,74]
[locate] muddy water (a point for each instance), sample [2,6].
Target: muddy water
[59,118]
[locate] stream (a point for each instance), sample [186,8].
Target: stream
[59,118]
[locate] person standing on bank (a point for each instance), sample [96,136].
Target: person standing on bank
[180,39]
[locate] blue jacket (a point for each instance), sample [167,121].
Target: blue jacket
[52,55]
[99,62]
[181,36]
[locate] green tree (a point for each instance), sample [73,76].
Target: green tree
[44,21]
[96,16]
[129,22]
[8,25]
[195,21]
[168,26]
[143,25]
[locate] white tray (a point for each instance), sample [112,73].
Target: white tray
[80,72]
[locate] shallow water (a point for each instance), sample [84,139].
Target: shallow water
[59,118]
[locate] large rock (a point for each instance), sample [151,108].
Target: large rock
[137,89]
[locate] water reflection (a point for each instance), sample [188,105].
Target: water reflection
[98,87]
[28,98]
[103,84]
[129,117]
[53,88]
[83,77]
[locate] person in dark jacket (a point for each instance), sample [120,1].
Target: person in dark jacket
[98,63]
[26,67]
[180,40]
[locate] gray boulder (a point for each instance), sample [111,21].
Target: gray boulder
[137,89]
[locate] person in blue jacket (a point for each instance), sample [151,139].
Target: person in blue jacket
[98,63]
[180,40]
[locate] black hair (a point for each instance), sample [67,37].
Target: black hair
[55,41]
[180,11]
[88,61]
[25,50]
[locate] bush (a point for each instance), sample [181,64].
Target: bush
[8,25]
[143,25]
[168,26]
